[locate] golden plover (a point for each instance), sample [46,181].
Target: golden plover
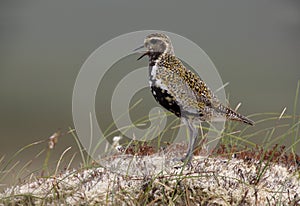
[181,91]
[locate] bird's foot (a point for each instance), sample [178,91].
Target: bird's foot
[185,160]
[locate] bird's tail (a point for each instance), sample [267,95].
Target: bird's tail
[233,115]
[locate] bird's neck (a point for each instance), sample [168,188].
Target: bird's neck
[154,57]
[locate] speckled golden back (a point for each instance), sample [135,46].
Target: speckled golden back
[187,88]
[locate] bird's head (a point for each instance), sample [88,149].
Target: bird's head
[157,43]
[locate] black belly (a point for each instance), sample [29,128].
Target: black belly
[166,100]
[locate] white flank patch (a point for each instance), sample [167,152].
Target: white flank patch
[153,71]
[158,82]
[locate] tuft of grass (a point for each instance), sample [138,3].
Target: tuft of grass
[238,172]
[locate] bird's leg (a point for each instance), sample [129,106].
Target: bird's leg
[203,139]
[193,134]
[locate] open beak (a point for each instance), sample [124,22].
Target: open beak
[144,53]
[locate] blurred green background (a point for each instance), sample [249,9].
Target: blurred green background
[255,46]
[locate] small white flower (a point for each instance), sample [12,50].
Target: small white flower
[117,139]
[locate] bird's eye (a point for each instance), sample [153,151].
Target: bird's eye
[153,41]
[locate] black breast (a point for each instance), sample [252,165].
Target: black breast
[166,100]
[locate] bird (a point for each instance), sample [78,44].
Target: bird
[181,91]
